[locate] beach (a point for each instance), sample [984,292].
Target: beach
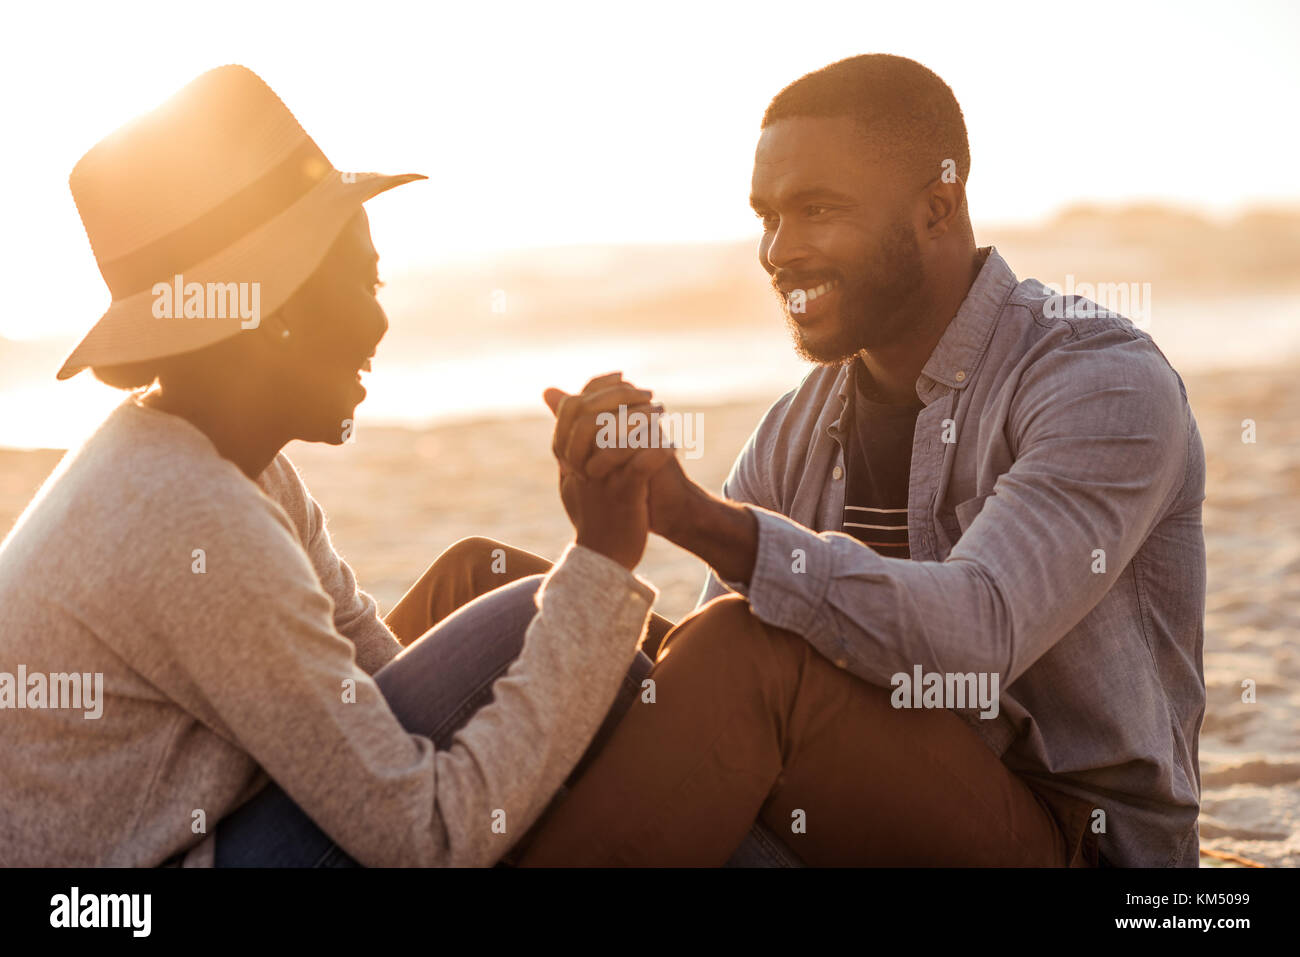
[396,497]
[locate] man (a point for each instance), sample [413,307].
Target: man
[982,491]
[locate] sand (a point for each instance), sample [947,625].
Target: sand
[396,498]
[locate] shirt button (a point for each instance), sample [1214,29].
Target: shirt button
[961,376]
[838,473]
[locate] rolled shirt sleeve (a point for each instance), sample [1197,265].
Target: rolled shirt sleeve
[752,481]
[1101,453]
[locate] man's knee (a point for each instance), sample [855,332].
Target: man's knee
[490,563]
[457,576]
[475,553]
[726,632]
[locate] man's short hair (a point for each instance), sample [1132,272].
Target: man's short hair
[904,109]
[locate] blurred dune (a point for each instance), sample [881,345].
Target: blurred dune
[546,296]
[575,290]
[1180,253]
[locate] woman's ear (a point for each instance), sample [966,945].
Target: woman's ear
[268,345]
[277,328]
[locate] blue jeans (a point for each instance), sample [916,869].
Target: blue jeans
[434,687]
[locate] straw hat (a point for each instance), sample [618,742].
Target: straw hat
[217,185]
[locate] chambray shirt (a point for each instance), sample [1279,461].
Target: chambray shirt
[1054,522]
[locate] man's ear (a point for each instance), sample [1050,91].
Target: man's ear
[944,204]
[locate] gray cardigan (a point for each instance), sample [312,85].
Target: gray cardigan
[227,630]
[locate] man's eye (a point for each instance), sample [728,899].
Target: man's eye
[814,210]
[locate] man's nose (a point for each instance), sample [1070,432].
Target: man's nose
[783,249]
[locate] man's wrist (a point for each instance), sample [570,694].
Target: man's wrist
[676,525]
[723,534]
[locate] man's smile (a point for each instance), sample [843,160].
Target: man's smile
[806,303]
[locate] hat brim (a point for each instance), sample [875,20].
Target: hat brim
[280,255]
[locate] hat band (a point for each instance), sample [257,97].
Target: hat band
[218,228]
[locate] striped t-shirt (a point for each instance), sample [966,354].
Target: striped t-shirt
[878,459]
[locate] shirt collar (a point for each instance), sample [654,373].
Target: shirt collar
[967,337]
[963,343]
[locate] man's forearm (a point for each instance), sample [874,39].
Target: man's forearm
[722,533]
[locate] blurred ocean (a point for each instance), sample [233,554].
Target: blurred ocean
[421,383]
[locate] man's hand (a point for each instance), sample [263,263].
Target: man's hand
[575,434]
[722,533]
[671,495]
[605,491]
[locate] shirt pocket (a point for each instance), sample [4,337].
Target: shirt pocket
[967,510]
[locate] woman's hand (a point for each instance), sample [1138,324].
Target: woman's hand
[605,490]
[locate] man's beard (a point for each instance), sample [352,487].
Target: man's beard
[873,312]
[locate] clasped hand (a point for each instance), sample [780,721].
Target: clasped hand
[614,496]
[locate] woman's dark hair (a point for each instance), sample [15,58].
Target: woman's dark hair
[134,376]
[131,376]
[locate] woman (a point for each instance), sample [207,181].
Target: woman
[176,562]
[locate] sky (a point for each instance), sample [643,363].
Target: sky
[550,124]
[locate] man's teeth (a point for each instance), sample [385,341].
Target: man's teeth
[822,289]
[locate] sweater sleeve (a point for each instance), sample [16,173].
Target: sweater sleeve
[356,613]
[250,648]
